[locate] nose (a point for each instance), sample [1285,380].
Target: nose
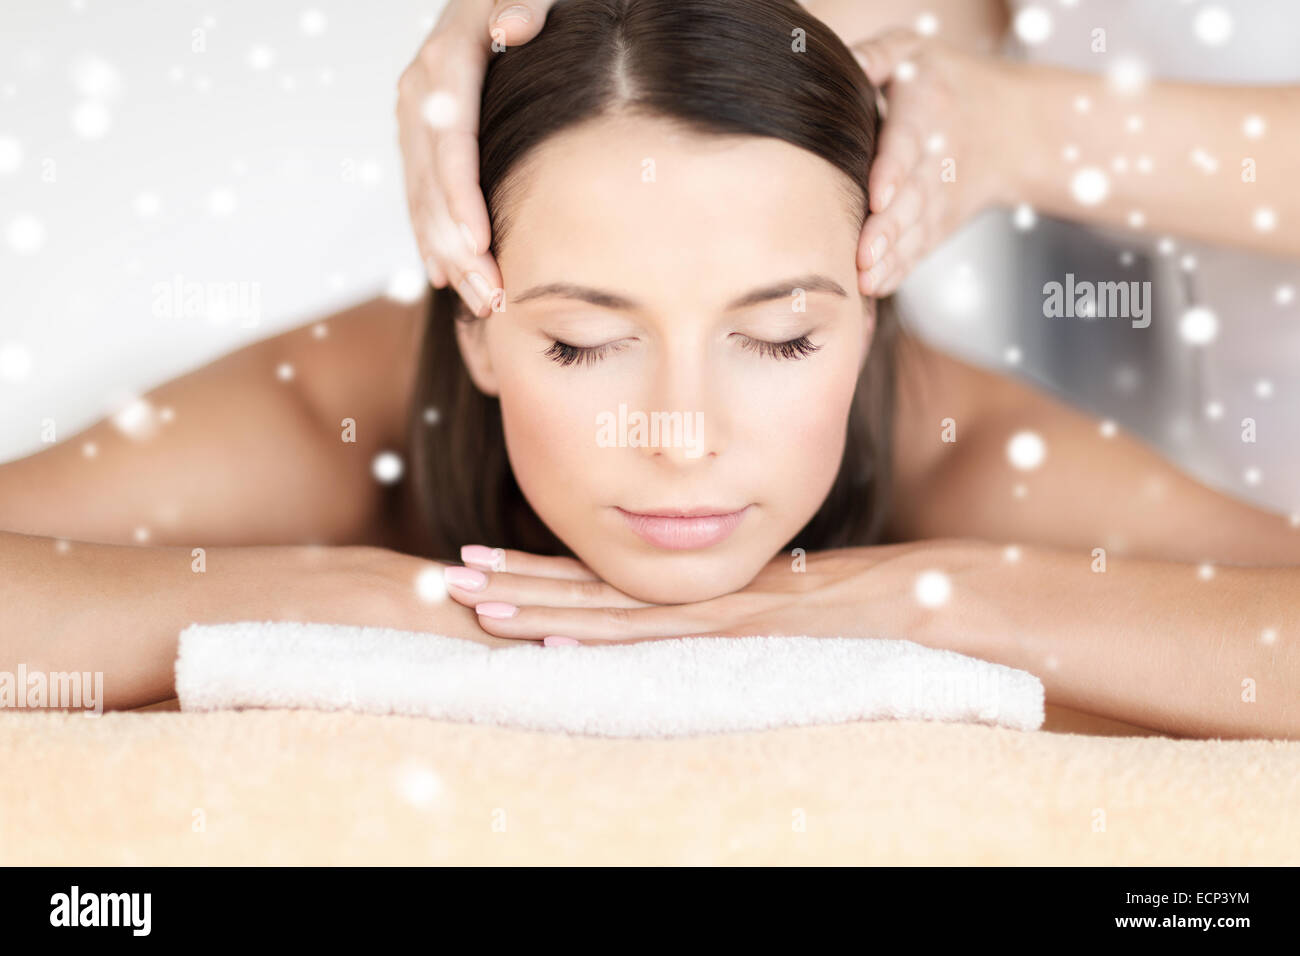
[684,415]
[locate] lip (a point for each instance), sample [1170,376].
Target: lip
[684,529]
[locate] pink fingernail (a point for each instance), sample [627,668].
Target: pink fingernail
[556,640]
[496,609]
[886,195]
[467,579]
[878,246]
[483,558]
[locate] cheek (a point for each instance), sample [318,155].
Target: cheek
[550,434]
[799,431]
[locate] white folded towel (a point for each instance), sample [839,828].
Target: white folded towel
[667,688]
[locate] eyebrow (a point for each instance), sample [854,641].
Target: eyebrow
[611,300]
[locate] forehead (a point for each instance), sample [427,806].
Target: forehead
[646,205]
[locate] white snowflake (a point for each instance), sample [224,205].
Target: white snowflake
[1026,450]
[26,235]
[387,467]
[1212,25]
[1089,186]
[11,155]
[1033,25]
[933,588]
[1198,326]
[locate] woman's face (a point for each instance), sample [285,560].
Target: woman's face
[663,264]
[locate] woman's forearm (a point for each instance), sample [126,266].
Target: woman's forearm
[1188,650]
[1214,163]
[116,610]
[76,607]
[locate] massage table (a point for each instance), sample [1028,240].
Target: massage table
[160,786]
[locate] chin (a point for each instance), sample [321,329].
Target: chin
[681,579]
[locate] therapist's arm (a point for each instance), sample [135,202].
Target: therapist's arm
[963,132]
[1214,163]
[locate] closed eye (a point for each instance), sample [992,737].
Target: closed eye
[792,349]
[796,348]
[566,354]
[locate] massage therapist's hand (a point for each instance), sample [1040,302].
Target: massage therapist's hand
[437,118]
[948,119]
[850,592]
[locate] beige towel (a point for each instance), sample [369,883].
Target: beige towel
[314,788]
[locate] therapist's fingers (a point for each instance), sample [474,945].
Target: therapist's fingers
[881,55]
[518,21]
[469,267]
[438,117]
[885,277]
[899,150]
[883,229]
[937,218]
[510,24]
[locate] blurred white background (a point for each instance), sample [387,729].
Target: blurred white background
[232,141]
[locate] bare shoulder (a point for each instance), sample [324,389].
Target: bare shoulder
[251,450]
[1089,487]
[360,363]
[934,387]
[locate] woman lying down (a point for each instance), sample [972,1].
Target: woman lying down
[675,205]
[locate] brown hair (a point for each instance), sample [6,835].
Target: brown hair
[721,67]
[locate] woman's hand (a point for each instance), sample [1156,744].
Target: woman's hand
[437,119]
[850,592]
[936,163]
[372,587]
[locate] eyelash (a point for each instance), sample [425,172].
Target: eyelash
[793,350]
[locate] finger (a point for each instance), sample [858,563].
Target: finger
[596,625]
[433,233]
[934,226]
[899,151]
[472,587]
[518,21]
[437,277]
[522,562]
[887,275]
[463,255]
[882,229]
[883,53]
[438,100]
[475,278]
[461,252]
[456,171]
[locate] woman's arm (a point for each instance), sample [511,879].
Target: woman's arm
[1113,576]
[247,450]
[118,611]
[1153,643]
[246,458]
